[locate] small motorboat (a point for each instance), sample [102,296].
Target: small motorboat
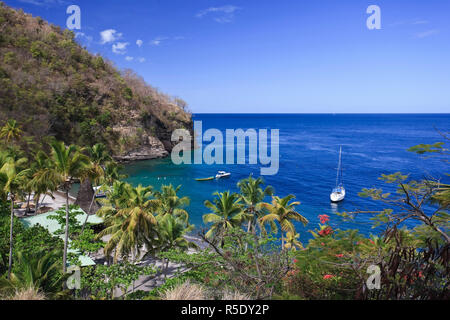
[338,193]
[222,174]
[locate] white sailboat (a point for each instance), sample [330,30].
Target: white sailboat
[338,193]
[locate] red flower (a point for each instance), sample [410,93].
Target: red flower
[324,218]
[371,241]
[295,261]
[340,255]
[322,244]
[325,232]
[327,276]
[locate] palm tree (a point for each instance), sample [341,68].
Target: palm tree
[13,176]
[40,272]
[172,204]
[226,213]
[251,195]
[292,242]
[113,172]
[11,131]
[69,164]
[99,156]
[130,221]
[170,235]
[284,213]
[44,180]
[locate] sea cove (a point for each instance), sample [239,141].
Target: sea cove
[309,149]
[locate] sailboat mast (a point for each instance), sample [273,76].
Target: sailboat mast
[339,167]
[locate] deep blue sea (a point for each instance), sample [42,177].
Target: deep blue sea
[372,144]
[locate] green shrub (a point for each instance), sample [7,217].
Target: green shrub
[38,50]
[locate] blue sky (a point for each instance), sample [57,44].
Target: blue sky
[298,56]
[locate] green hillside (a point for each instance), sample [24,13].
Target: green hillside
[54,87]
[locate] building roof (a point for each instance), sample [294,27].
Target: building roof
[52,226]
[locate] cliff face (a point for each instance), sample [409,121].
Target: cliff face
[54,87]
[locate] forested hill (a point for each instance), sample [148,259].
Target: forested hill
[54,87]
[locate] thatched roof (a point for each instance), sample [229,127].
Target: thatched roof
[84,197]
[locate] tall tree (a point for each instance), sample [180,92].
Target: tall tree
[14,176]
[172,204]
[130,222]
[69,165]
[99,156]
[284,213]
[252,194]
[170,233]
[226,214]
[44,180]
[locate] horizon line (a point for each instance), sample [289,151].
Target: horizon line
[331,113]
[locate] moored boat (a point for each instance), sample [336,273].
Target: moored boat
[338,193]
[205,179]
[222,174]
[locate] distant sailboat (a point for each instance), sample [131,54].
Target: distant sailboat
[338,193]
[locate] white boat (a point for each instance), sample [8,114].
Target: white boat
[99,193]
[338,193]
[222,174]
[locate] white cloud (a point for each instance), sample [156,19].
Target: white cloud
[44,3]
[128,58]
[409,22]
[425,34]
[82,36]
[139,43]
[120,47]
[158,41]
[222,14]
[421,22]
[109,36]
[142,60]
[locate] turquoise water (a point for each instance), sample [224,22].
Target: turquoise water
[309,147]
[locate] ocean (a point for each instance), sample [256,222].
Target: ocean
[372,144]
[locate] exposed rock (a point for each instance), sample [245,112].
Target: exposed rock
[147,146]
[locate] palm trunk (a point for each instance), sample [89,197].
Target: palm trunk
[248,231]
[282,240]
[88,213]
[42,202]
[28,204]
[36,206]
[165,267]
[11,239]
[66,236]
